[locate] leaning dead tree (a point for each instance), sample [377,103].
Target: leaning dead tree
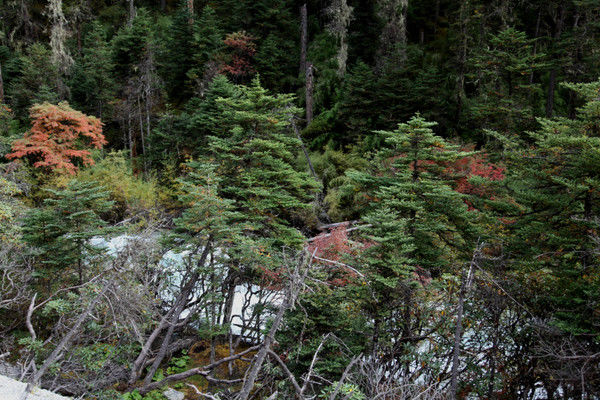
[297,269]
[168,322]
[297,274]
[66,340]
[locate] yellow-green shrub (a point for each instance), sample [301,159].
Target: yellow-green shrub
[132,194]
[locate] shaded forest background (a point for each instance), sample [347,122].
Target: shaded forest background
[419,181]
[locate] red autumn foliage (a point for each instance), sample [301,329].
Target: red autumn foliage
[241,48]
[476,165]
[59,138]
[331,250]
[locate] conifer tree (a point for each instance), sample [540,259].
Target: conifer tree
[36,81]
[207,44]
[254,151]
[418,219]
[186,134]
[420,227]
[60,231]
[557,181]
[506,98]
[178,52]
[93,85]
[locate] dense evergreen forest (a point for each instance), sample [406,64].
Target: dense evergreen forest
[281,199]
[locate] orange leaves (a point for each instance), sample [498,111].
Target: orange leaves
[59,138]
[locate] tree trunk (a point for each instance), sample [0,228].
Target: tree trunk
[303,37]
[305,151]
[131,12]
[309,92]
[457,339]
[550,97]
[461,59]
[173,314]
[262,353]
[141,119]
[190,6]
[35,380]
[393,35]
[78,37]
[185,293]
[340,14]
[535,43]
[295,284]
[130,135]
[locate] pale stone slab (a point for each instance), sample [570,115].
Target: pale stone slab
[11,389]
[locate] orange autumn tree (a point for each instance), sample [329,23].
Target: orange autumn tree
[60,138]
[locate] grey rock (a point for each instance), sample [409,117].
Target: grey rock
[11,389]
[173,394]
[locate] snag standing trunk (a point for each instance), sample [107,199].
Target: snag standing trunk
[190,5]
[309,92]
[303,37]
[131,12]
[58,36]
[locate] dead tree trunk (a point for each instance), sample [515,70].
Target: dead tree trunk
[457,339]
[170,318]
[294,286]
[303,37]
[461,61]
[464,285]
[131,13]
[66,340]
[309,92]
[393,35]
[190,5]
[305,151]
[185,293]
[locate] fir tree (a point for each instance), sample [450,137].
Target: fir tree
[254,151]
[60,232]
[557,181]
[93,85]
[420,227]
[36,82]
[418,219]
[506,97]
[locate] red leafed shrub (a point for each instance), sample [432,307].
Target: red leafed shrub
[461,171]
[59,138]
[241,49]
[330,250]
[476,165]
